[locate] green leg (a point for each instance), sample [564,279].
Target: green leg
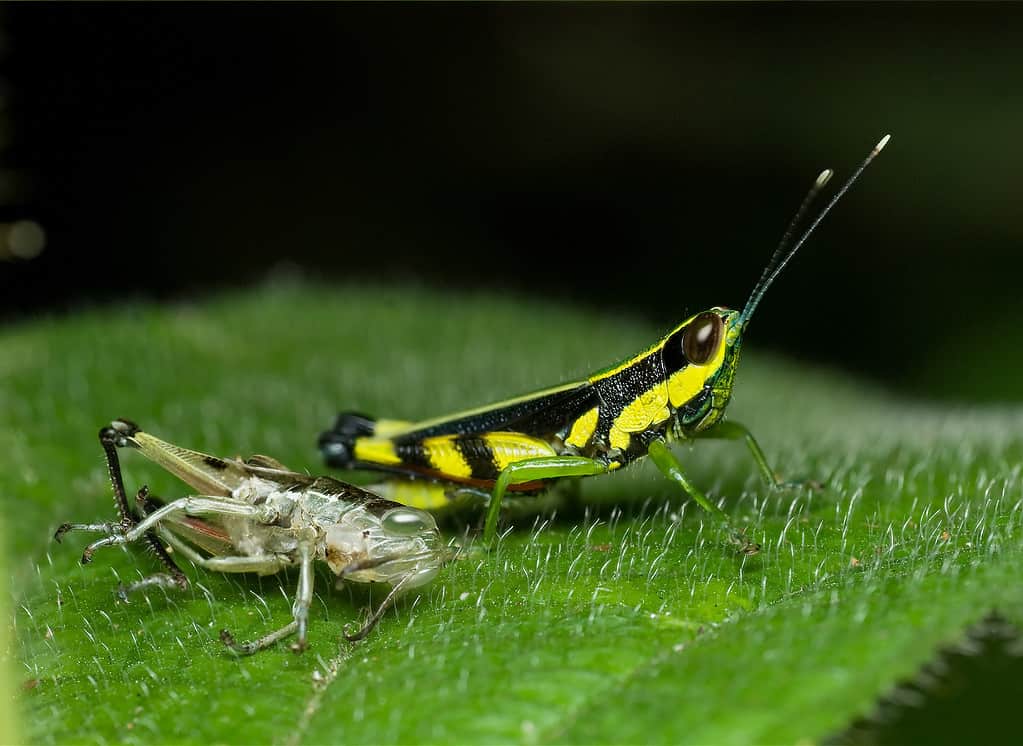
[736,431]
[670,466]
[530,470]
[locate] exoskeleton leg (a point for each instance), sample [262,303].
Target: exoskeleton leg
[262,565]
[299,610]
[304,596]
[261,643]
[147,504]
[159,580]
[97,528]
[377,615]
[202,505]
[531,470]
[265,565]
[108,439]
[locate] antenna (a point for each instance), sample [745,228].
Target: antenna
[818,185]
[774,266]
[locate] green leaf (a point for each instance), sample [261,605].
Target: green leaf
[8,729]
[619,615]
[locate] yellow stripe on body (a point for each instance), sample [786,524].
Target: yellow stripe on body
[649,408]
[511,447]
[619,438]
[445,457]
[376,451]
[390,428]
[582,429]
[417,494]
[688,382]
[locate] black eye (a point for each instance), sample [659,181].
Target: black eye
[701,339]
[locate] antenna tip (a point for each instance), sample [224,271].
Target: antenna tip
[880,146]
[824,178]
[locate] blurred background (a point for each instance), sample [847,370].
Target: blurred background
[639,159]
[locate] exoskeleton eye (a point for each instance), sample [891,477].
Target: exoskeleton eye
[407,522]
[701,340]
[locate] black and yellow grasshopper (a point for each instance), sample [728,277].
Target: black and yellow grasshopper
[677,389]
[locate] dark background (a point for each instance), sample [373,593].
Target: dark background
[636,158]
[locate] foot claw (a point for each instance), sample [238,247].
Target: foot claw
[238,648]
[350,636]
[745,545]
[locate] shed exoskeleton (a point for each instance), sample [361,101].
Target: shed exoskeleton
[258,516]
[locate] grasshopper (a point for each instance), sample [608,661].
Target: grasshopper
[258,516]
[676,389]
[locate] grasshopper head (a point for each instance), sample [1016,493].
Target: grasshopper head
[386,547]
[721,382]
[700,358]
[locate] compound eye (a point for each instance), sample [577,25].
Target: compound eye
[407,522]
[701,340]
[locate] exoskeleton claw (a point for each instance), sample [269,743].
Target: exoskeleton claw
[160,580]
[254,646]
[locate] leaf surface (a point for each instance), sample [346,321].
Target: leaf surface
[618,615]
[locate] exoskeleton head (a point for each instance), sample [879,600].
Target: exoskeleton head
[386,545]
